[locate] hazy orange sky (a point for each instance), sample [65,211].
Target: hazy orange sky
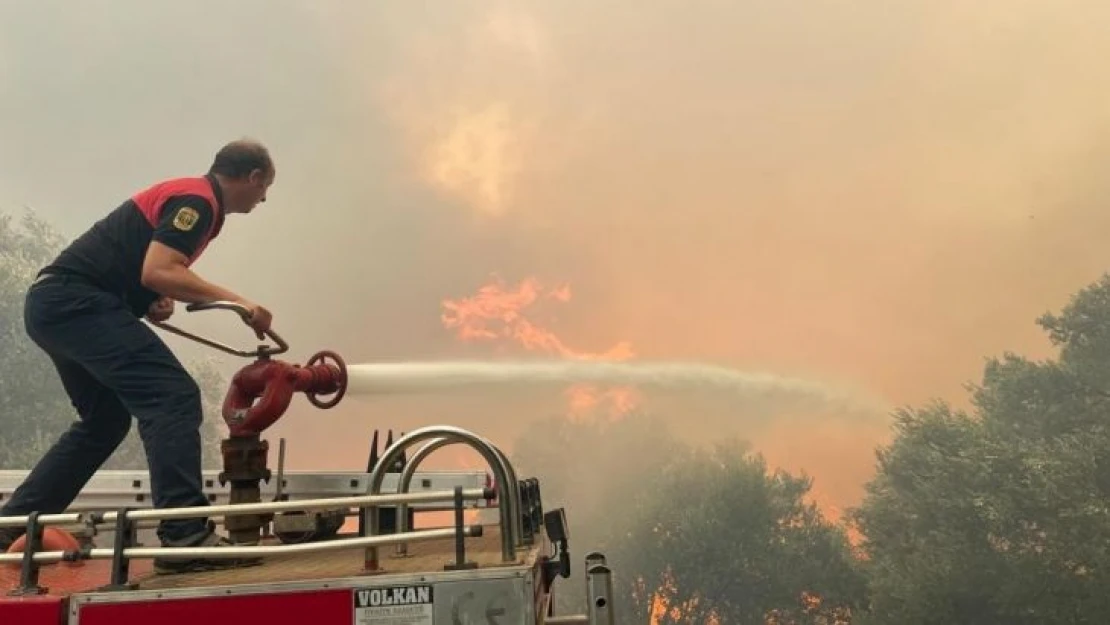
[876,193]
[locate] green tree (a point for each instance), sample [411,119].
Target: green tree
[1001,515]
[713,532]
[34,409]
[732,542]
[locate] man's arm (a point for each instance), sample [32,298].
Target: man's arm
[185,222]
[165,272]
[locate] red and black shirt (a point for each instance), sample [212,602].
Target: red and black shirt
[183,213]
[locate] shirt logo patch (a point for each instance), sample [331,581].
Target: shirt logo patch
[185,218]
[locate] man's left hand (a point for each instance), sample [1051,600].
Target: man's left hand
[160,310]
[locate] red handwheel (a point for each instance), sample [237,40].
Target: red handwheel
[328,380]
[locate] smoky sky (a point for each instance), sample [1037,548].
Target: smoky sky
[881,193]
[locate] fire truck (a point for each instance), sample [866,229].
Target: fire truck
[336,548]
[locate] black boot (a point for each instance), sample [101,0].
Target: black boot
[168,566]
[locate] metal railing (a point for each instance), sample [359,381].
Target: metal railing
[436,444]
[112,488]
[125,521]
[504,475]
[159,514]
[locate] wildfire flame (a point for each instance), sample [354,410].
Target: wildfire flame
[469,134]
[475,159]
[505,315]
[665,606]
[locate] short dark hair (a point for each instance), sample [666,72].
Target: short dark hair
[239,158]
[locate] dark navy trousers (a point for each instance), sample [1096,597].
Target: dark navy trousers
[113,367]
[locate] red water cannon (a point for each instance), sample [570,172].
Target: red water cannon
[259,395]
[261,392]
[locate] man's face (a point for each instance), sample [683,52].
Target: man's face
[253,190]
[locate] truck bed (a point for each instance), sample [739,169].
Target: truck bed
[422,557]
[327,587]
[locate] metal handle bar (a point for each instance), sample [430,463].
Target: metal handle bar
[239,308]
[244,314]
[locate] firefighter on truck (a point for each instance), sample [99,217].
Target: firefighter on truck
[85,311]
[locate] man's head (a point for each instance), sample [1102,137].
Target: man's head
[245,172]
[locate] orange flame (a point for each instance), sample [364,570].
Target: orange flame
[499,313]
[664,605]
[472,318]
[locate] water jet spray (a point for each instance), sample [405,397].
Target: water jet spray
[747,387]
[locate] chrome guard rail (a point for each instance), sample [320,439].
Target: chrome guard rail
[126,521]
[434,445]
[508,495]
[246,551]
[469,494]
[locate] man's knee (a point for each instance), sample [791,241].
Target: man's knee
[182,400]
[113,430]
[172,407]
[103,417]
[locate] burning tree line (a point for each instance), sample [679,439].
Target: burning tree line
[999,515]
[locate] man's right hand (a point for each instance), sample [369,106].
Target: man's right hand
[259,318]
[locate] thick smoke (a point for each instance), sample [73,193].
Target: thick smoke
[873,192]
